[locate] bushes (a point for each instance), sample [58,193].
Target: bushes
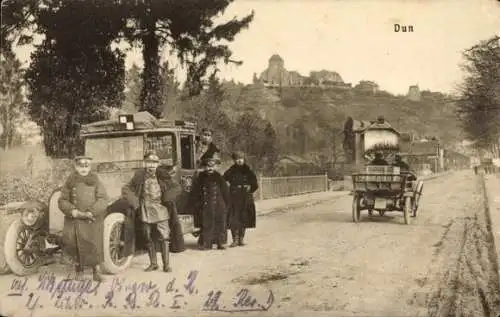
[24,187]
[20,186]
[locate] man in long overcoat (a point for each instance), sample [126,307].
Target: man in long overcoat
[205,150]
[242,184]
[152,192]
[83,201]
[211,200]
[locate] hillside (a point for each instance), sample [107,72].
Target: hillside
[312,112]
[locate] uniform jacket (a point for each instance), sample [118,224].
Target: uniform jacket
[133,193]
[82,239]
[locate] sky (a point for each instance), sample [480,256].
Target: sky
[357,39]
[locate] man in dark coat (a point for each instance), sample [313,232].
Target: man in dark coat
[398,161]
[405,168]
[211,200]
[205,150]
[152,192]
[242,184]
[83,201]
[378,160]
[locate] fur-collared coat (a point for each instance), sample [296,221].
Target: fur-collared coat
[82,239]
[210,204]
[242,214]
[133,193]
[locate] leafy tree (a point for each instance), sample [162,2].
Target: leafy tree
[207,111]
[12,103]
[17,22]
[257,138]
[269,148]
[74,76]
[188,28]
[133,88]
[479,103]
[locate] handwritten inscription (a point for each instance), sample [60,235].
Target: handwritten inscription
[149,294]
[120,293]
[243,301]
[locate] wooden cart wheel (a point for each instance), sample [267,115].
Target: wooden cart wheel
[356,208]
[407,210]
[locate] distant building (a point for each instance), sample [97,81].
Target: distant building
[367,86]
[276,75]
[414,93]
[323,76]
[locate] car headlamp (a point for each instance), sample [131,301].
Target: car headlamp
[30,216]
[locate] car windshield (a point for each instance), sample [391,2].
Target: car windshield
[130,148]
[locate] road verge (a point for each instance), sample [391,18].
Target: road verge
[491,187]
[300,201]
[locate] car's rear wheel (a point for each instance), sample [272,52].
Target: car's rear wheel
[114,258]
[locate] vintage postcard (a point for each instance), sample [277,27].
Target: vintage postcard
[250,158]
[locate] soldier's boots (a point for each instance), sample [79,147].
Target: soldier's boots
[236,238]
[78,273]
[165,256]
[96,274]
[153,266]
[241,235]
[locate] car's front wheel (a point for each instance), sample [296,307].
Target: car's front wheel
[22,249]
[115,259]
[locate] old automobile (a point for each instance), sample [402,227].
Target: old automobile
[383,187]
[117,147]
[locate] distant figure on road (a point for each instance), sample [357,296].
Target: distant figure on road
[83,201]
[378,160]
[242,184]
[211,201]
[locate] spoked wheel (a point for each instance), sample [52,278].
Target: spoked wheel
[115,259]
[356,208]
[117,245]
[23,249]
[407,210]
[416,199]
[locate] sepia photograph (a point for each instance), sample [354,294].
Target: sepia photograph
[250,158]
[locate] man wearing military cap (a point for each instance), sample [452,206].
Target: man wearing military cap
[152,192]
[83,201]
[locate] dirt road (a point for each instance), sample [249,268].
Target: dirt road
[312,259]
